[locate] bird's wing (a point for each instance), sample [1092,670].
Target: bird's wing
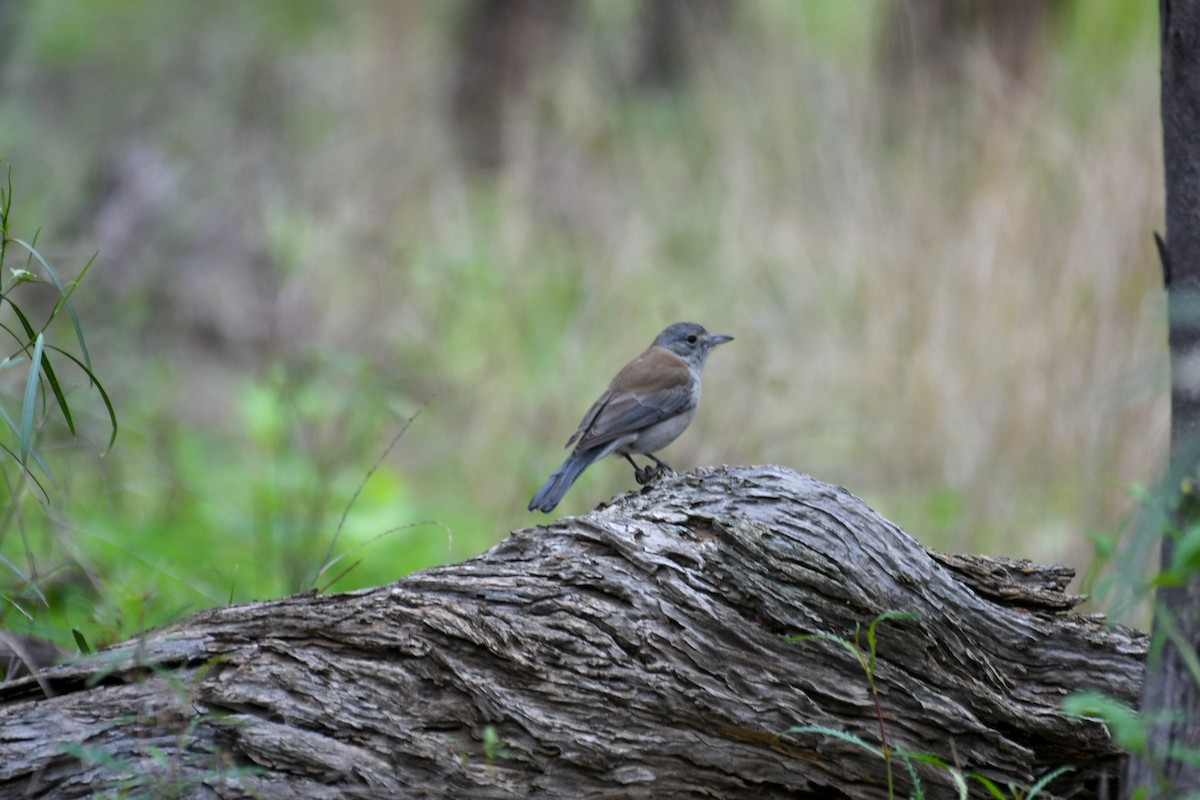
[654,386]
[590,417]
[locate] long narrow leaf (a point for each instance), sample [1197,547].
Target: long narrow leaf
[27,582]
[20,608]
[988,784]
[918,793]
[59,397]
[922,758]
[960,783]
[20,573]
[29,331]
[848,646]
[5,207]
[884,617]
[835,733]
[87,359]
[112,412]
[29,473]
[9,422]
[1046,779]
[1184,648]
[908,758]
[11,361]
[22,341]
[64,294]
[30,402]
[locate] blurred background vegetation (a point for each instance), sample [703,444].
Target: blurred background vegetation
[926,223]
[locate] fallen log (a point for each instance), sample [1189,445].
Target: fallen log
[642,650]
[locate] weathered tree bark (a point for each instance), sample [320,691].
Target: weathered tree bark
[1170,701]
[638,651]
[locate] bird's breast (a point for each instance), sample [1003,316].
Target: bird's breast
[661,434]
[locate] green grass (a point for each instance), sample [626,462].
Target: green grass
[864,649]
[952,310]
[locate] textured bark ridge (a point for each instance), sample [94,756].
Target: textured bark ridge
[638,651]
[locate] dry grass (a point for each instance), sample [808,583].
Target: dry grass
[950,306]
[954,310]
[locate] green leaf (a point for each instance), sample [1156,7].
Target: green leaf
[836,734]
[45,364]
[9,421]
[924,758]
[988,784]
[64,293]
[960,783]
[907,758]
[112,413]
[59,397]
[81,642]
[29,473]
[884,617]
[1121,720]
[30,401]
[1045,780]
[848,646]
[18,607]
[30,333]
[1185,650]
[1167,578]
[1186,558]
[1104,544]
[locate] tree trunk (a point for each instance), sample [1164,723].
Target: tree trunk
[932,42]
[1171,697]
[672,32]
[501,43]
[638,651]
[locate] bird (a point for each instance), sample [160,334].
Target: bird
[646,407]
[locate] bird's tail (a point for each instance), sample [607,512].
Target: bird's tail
[557,484]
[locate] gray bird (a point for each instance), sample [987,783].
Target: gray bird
[650,402]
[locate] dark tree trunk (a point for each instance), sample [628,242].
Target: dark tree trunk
[501,42]
[931,43]
[1171,697]
[639,651]
[672,32]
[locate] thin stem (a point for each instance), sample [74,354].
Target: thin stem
[869,668]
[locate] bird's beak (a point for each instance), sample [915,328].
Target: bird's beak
[718,338]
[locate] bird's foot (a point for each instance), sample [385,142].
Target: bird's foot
[648,474]
[661,467]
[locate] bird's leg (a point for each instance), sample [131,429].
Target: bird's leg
[662,467]
[642,475]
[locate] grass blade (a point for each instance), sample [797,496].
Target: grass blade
[30,402]
[27,471]
[112,412]
[30,333]
[988,784]
[59,397]
[836,734]
[1046,779]
[846,645]
[64,294]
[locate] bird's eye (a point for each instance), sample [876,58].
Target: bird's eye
[691,338]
